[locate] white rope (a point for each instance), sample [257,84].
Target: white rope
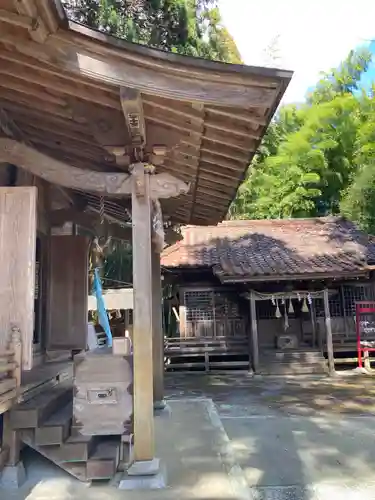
[295,294]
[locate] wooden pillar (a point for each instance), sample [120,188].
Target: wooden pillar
[313,324]
[142,321]
[10,440]
[182,315]
[157,330]
[254,332]
[329,340]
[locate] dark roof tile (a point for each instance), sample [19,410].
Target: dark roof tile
[250,248]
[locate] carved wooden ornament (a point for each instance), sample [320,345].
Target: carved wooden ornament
[57,172]
[158,236]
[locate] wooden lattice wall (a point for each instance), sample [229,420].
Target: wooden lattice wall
[212,313]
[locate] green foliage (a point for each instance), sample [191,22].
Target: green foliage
[118,266]
[190,27]
[358,201]
[317,159]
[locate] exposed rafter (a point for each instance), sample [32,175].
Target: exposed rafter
[69,90]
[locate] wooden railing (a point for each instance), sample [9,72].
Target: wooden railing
[10,371]
[206,353]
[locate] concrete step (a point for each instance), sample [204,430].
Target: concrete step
[277,362]
[301,356]
[283,369]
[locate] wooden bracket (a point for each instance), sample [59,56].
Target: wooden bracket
[131,103]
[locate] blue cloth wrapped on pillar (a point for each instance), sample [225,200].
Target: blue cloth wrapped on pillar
[102,313]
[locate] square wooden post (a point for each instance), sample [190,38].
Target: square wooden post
[254,332]
[313,324]
[329,339]
[142,322]
[13,474]
[157,328]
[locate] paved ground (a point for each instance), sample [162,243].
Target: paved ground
[297,437]
[192,446]
[262,439]
[345,394]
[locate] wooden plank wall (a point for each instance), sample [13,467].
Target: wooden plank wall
[17,251]
[68,290]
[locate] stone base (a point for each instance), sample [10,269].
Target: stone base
[13,476]
[160,405]
[144,467]
[287,341]
[163,412]
[144,475]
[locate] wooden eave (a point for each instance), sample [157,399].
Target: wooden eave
[293,277]
[60,82]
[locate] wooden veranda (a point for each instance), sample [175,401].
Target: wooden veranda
[103,137]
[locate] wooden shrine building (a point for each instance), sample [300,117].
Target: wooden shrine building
[278,295]
[102,137]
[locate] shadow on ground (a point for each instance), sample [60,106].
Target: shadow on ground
[287,438]
[293,434]
[351,395]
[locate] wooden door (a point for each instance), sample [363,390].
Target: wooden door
[68,293]
[17,272]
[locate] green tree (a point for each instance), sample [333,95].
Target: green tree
[118,266]
[190,27]
[358,201]
[311,153]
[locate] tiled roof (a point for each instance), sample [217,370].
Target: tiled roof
[255,248]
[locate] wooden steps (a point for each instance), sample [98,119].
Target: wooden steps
[206,354]
[103,462]
[45,424]
[31,413]
[56,429]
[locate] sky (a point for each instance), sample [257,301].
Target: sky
[309,37]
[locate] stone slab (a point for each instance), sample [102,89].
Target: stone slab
[147,482]
[144,468]
[13,476]
[159,405]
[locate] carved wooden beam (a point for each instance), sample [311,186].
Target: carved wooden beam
[158,234]
[57,172]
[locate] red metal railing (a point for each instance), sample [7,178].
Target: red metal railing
[364,346]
